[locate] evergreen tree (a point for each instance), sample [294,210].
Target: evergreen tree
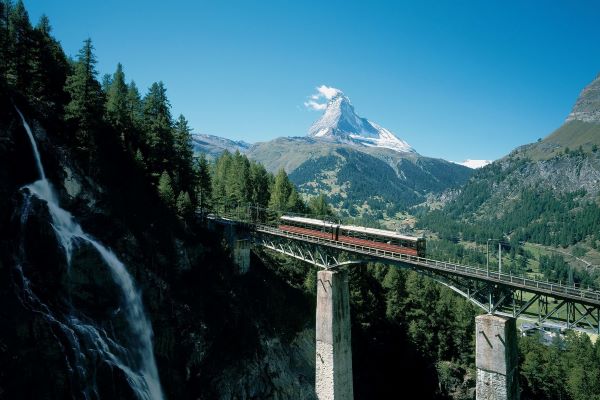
[259,185]
[85,108]
[220,176]
[139,159]
[185,209]
[4,41]
[280,194]
[117,110]
[134,105]
[238,180]
[19,48]
[395,303]
[158,130]
[204,182]
[135,117]
[318,206]
[184,154]
[294,202]
[106,82]
[165,190]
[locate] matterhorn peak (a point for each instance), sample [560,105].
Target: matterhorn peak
[340,123]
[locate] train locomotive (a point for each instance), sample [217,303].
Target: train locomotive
[357,235]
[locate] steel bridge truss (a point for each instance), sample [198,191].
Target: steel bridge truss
[318,256]
[518,303]
[491,296]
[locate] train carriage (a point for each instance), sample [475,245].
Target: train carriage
[358,235]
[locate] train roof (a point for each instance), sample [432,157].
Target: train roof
[353,228]
[308,221]
[378,232]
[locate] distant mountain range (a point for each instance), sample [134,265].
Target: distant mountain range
[212,145]
[363,168]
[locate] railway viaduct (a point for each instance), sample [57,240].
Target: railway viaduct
[503,297]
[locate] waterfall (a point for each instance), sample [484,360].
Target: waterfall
[85,339]
[36,153]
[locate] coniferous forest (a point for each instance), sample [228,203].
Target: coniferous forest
[125,167]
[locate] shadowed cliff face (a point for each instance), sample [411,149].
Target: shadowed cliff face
[213,335]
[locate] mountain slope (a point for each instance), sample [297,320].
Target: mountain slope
[352,176]
[581,127]
[546,192]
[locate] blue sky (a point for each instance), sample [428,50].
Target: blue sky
[454,79]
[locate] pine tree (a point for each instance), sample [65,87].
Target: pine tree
[294,202]
[158,129]
[203,182]
[106,82]
[165,190]
[259,185]
[117,110]
[280,194]
[238,180]
[86,105]
[139,159]
[49,71]
[4,41]
[184,154]
[219,182]
[20,45]
[319,207]
[134,105]
[395,303]
[185,209]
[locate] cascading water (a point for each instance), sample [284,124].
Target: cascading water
[85,339]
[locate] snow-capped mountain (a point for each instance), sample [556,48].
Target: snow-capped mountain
[474,164]
[341,124]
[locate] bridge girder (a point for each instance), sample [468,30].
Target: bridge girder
[506,301]
[492,297]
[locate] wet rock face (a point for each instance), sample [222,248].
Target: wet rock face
[38,251]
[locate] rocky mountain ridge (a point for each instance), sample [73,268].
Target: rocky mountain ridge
[587,106]
[340,124]
[212,145]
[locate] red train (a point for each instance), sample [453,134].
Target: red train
[368,237]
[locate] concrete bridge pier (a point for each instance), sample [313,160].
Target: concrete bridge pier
[496,358]
[333,380]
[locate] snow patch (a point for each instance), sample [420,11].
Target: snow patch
[474,164]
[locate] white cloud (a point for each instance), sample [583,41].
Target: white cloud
[313,105]
[323,92]
[328,92]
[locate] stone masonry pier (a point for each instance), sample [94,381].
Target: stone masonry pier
[333,380]
[496,358]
